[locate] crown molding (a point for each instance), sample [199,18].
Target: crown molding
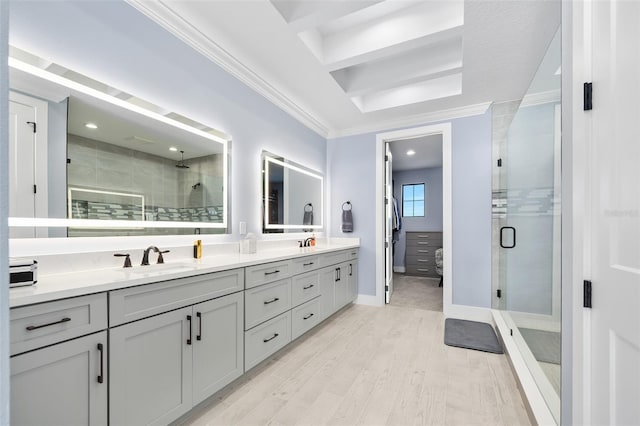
[164,16]
[414,120]
[541,98]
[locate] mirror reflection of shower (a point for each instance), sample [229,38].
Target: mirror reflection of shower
[181,164]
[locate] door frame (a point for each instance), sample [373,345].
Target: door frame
[447,238]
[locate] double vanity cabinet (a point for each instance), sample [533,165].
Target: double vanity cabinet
[148,354]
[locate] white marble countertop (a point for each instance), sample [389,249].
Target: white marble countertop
[63,285]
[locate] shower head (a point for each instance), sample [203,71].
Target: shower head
[194,187]
[181,164]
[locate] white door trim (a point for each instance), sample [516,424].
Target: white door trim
[381,138]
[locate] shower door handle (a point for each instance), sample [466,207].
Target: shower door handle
[502,237]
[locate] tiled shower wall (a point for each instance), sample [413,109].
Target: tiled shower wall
[170,193]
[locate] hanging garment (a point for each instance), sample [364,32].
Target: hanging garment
[397,220]
[347,217]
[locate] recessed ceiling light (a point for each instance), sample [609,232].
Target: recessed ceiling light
[411,152]
[90,126]
[173,148]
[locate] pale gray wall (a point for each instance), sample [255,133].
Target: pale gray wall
[128,51]
[57,164]
[351,167]
[432,220]
[4,213]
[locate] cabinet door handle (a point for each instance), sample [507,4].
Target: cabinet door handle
[190,329]
[307,317]
[270,338]
[199,336]
[101,375]
[275,299]
[308,287]
[273,272]
[35,327]
[307,264]
[350,269]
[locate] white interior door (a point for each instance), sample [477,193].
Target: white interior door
[615,214]
[388,238]
[27,162]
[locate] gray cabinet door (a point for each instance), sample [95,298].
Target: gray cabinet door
[341,286]
[59,385]
[151,369]
[218,348]
[352,273]
[327,280]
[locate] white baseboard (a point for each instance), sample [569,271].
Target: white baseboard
[399,269]
[365,299]
[470,313]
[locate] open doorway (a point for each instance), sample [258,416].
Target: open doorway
[384,186]
[416,225]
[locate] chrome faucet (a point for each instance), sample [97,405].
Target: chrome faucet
[145,256]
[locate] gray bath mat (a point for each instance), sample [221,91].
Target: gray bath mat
[471,335]
[545,345]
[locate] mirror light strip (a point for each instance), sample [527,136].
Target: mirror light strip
[54,78]
[30,222]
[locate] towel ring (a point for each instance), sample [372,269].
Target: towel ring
[349,204]
[308,205]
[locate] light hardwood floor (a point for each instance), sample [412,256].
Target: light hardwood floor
[417,292]
[372,366]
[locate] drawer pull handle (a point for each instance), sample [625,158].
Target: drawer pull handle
[423,270]
[307,317]
[35,327]
[271,273]
[270,338]
[422,260]
[275,299]
[423,236]
[307,264]
[308,287]
[190,329]
[101,375]
[199,336]
[423,243]
[423,251]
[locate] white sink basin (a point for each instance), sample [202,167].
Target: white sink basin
[165,268]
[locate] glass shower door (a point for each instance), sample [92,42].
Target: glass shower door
[529,227]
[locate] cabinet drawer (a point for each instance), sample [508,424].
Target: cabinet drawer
[305,264]
[352,254]
[424,235]
[305,287]
[265,302]
[333,258]
[265,339]
[433,244]
[47,323]
[304,318]
[420,261]
[268,272]
[135,303]
[421,251]
[423,271]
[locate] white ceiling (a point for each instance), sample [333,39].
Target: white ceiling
[343,67]
[428,153]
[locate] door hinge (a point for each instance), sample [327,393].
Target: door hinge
[35,189]
[386,245]
[386,158]
[499,162]
[68,160]
[386,201]
[588,96]
[498,293]
[386,288]
[586,294]
[33,123]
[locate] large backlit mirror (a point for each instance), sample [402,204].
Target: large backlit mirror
[292,196]
[89,160]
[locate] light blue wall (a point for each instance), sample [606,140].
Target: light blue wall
[114,43]
[352,175]
[432,220]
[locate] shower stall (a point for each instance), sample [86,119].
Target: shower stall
[526,224]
